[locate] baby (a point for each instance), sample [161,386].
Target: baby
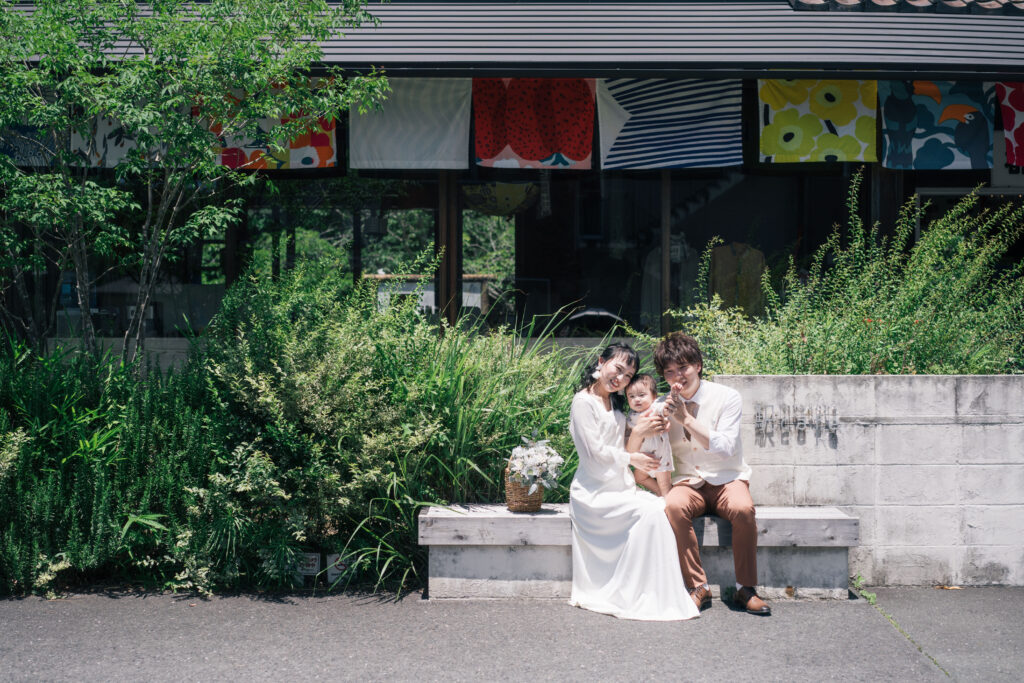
[641,394]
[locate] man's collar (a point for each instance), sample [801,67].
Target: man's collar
[698,395]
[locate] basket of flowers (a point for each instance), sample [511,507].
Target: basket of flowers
[532,468]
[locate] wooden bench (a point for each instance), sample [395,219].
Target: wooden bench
[485,551]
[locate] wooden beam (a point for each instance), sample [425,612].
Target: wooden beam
[357,245]
[236,248]
[666,247]
[886,196]
[448,288]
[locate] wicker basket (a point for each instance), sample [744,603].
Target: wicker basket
[517,498]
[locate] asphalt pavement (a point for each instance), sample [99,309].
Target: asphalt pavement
[910,634]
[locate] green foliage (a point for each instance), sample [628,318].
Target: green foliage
[192,76]
[947,303]
[93,463]
[312,419]
[366,414]
[858,586]
[488,245]
[408,234]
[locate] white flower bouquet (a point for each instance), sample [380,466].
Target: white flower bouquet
[534,465]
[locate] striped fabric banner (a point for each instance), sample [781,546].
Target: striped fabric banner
[659,123]
[423,123]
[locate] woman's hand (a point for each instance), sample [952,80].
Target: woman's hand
[650,424]
[645,462]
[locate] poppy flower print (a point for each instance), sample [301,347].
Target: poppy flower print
[533,122]
[1011,106]
[817,120]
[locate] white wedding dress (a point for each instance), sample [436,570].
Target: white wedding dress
[624,559]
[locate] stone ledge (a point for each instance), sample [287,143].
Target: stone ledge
[485,551]
[494,525]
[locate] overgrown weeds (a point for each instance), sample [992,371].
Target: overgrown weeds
[875,302]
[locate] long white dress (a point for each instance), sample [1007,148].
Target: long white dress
[624,559]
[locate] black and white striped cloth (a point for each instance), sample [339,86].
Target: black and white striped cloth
[660,123]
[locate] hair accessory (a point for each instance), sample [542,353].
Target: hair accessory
[596,374]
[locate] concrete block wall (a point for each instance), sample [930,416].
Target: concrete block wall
[932,465]
[166,352]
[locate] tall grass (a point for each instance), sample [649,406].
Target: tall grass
[875,301]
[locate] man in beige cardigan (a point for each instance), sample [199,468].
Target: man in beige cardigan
[711,476]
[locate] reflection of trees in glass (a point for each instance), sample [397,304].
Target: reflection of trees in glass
[319,212]
[488,246]
[398,240]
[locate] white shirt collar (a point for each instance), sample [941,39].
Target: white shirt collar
[698,395]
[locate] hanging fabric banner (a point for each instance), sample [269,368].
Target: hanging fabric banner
[29,146]
[817,120]
[1011,104]
[534,122]
[423,123]
[937,124]
[106,146]
[659,123]
[313,149]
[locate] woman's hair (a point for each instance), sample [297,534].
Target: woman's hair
[678,348]
[611,351]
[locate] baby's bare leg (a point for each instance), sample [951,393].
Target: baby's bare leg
[664,480]
[647,481]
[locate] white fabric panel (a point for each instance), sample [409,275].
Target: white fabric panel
[424,123]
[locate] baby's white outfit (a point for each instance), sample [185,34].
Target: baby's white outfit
[659,445]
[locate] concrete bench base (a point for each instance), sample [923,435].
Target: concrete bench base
[485,551]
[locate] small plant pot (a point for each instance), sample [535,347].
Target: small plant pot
[517,498]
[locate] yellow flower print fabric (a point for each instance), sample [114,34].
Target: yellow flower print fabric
[817,120]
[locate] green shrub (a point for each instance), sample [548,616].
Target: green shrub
[310,419]
[348,418]
[93,462]
[870,303]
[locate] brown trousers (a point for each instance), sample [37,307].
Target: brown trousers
[733,502]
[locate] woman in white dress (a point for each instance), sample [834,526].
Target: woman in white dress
[624,559]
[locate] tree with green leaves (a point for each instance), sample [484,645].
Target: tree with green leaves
[178,78]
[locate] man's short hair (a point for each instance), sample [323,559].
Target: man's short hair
[646,380]
[678,348]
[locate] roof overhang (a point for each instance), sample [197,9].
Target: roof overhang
[709,38]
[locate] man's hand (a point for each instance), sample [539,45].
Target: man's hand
[675,404]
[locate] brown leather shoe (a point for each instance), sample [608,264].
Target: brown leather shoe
[747,598]
[701,597]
